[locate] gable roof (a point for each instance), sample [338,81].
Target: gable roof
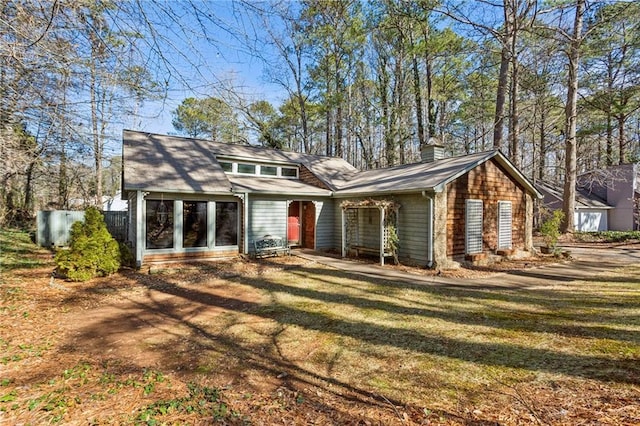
[163,163]
[330,170]
[584,199]
[430,176]
[170,164]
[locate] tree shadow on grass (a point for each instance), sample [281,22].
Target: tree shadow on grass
[193,348]
[172,308]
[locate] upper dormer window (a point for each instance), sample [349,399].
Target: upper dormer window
[291,172]
[266,170]
[246,169]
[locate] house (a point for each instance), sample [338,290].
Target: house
[591,213]
[619,187]
[191,198]
[114,203]
[606,200]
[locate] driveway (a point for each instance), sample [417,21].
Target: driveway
[586,262]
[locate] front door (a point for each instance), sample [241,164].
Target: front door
[293,224]
[308,225]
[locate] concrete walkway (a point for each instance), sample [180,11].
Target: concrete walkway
[587,262]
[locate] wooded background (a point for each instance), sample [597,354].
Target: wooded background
[555,85]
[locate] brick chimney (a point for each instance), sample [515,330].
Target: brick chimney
[431,152]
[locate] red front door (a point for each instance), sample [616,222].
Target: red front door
[293,224]
[309,223]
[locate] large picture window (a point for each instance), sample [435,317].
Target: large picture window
[194,230]
[159,221]
[226,223]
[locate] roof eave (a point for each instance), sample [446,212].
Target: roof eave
[340,194]
[176,191]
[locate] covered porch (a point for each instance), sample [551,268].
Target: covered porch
[370,226]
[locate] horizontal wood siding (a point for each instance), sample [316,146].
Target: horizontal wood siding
[133,225]
[489,183]
[266,217]
[413,229]
[325,225]
[369,227]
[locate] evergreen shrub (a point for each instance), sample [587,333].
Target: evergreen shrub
[92,251]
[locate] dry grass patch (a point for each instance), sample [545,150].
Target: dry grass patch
[288,341]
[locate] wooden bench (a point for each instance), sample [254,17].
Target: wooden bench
[270,245]
[369,250]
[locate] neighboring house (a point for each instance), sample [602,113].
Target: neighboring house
[619,187]
[193,198]
[606,200]
[115,203]
[591,213]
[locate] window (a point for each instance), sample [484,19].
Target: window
[194,230]
[504,224]
[248,169]
[257,169]
[473,221]
[268,170]
[226,223]
[289,172]
[159,221]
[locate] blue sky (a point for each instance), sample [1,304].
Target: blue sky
[205,62]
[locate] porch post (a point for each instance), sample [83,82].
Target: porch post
[141,231]
[245,223]
[382,239]
[343,238]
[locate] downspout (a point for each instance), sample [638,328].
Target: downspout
[245,225]
[382,241]
[429,229]
[343,236]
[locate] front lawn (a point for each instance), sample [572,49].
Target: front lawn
[288,341]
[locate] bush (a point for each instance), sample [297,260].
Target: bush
[92,251]
[550,229]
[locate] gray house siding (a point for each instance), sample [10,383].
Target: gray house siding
[325,218]
[266,217]
[413,227]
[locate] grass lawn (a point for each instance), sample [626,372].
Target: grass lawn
[289,341]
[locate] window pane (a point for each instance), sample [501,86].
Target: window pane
[226,166]
[194,231]
[247,169]
[289,172]
[268,170]
[226,224]
[159,222]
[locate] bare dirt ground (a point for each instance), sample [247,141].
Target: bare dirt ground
[121,349]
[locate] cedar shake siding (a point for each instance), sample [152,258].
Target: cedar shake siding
[309,178]
[490,183]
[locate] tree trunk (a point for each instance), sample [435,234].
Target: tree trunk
[621,138]
[569,195]
[503,78]
[514,121]
[417,93]
[543,146]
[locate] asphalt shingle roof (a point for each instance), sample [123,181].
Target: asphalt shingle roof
[176,164]
[170,164]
